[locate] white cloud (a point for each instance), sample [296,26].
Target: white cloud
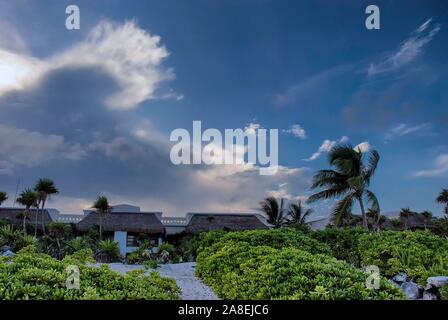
[252,127]
[297,131]
[403,129]
[325,147]
[129,54]
[440,167]
[408,50]
[21,147]
[363,147]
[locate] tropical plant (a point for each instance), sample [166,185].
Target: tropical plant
[350,180]
[443,199]
[27,198]
[108,251]
[45,188]
[15,239]
[3,197]
[274,211]
[240,270]
[102,208]
[298,214]
[405,213]
[36,276]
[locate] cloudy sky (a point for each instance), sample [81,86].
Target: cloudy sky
[93,108]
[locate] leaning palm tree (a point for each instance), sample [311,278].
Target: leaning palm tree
[274,211]
[102,208]
[3,197]
[27,198]
[45,188]
[443,199]
[350,180]
[298,214]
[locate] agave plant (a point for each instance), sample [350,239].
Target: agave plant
[108,251]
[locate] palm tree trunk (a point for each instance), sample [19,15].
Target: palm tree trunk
[23,222]
[42,217]
[35,224]
[364,216]
[101,227]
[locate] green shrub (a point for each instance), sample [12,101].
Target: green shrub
[343,243]
[108,251]
[15,238]
[418,253]
[276,238]
[31,275]
[168,247]
[238,270]
[444,292]
[59,229]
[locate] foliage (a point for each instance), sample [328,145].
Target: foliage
[31,275]
[102,207]
[343,243]
[441,227]
[275,212]
[239,270]
[108,251]
[298,215]
[14,238]
[276,238]
[418,253]
[444,292]
[443,199]
[3,197]
[350,180]
[59,229]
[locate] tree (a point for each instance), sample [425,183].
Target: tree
[274,211]
[443,199]
[102,208]
[45,188]
[27,198]
[350,180]
[3,197]
[298,214]
[405,213]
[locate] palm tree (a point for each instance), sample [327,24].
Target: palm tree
[443,199]
[405,214]
[350,179]
[3,197]
[45,188]
[274,211]
[102,208]
[27,198]
[298,214]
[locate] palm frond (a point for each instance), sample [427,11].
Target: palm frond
[342,209]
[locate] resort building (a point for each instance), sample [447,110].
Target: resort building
[203,222]
[14,216]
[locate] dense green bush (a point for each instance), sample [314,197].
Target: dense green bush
[418,253]
[343,243]
[238,270]
[15,238]
[108,251]
[276,238]
[31,275]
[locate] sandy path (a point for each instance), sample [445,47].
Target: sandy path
[192,287]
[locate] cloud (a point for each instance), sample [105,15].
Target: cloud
[131,56]
[325,147]
[363,147]
[310,87]
[297,131]
[408,51]
[440,168]
[20,147]
[403,129]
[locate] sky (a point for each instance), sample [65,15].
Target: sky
[93,108]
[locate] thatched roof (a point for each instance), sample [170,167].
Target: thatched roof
[12,216]
[139,222]
[200,222]
[413,221]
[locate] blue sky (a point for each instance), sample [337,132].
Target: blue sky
[84,108]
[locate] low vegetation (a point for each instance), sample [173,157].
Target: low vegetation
[32,275]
